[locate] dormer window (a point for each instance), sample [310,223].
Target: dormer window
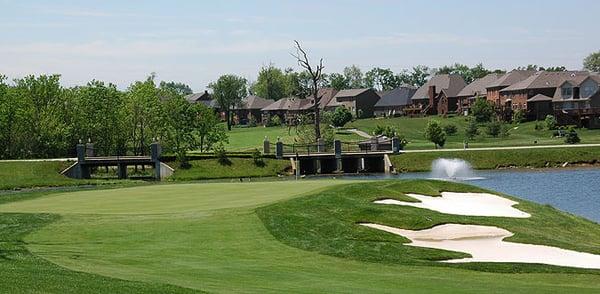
[587,91]
[567,92]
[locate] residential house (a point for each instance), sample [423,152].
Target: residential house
[361,102]
[577,101]
[505,80]
[517,96]
[250,110]
[474,90]
[437,96]
[393,102]
[287,109]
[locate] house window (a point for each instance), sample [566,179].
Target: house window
[587,91]
[567,92]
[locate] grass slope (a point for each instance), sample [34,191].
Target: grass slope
[239,167]
[520,135]
[209,237]
[327,223]
[488,159]
[29,174]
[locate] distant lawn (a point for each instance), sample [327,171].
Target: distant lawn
[249,138]
[21,174]
[238,168]
[491,159]
[520,134]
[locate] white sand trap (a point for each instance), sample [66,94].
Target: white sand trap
[475,204]
[485,244]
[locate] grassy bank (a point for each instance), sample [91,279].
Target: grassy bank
[209,237]
[237,168]
[519,134]
[30,174]
[327,223]
[492,159]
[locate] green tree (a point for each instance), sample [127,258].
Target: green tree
[435,134]
[228,91]
[494,128]
[572,137]
[550,122]
[450,129]
[592,62]
[468,74]
[354,76]
[208,128]
[382,79]
[143,110]
[341,116]
[482,110]
[338,81]
[419,75]
[270,84]
[518,116]
[180,125]
[471,131]
[179,88]
[298,84]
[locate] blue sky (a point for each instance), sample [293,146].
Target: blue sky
[196,41]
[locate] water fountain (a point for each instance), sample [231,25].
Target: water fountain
[452,169]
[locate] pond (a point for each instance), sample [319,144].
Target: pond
[572,190]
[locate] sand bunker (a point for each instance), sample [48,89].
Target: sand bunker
[475,204]
[485,244]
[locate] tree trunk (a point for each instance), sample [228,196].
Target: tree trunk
[228,118]
[317,111]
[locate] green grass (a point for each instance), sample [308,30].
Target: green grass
[520,135]
[492,159]
[209,237]
[247,139]
[21,174]
[238,167]
[327,223]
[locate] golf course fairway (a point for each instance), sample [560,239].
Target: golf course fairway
[233,237]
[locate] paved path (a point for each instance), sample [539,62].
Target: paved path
[503,148]
[40,160]
[360,133]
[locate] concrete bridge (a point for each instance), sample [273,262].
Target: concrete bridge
[87,160]
[370,156]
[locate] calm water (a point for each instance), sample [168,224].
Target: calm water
[573,190]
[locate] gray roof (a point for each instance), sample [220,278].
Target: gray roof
[326,94]
[451,84]
[478,86]
[397,97]
[198,96]
[539,98]
[351,92]
[511,77]
[575,83]
[545,79]
[290,103]
[255,102]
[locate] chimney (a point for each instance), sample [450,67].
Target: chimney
[431,95]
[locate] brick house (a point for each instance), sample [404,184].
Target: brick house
[577,101]
[437,96]
[392,103]
[478,88]
[361,102]
[250,109]
[505,80]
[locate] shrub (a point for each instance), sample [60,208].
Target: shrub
[274,121]
[471,130]
[504,131]
[539,126]
[388,131]
[482,110]
[450,129]
[572,137]
[257,158]
[341,116]
[221,154]
[435,134]
[493,129]
[550,122]
[518,116]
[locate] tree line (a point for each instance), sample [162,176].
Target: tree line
[41,119]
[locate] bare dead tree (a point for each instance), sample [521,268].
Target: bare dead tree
[316,77]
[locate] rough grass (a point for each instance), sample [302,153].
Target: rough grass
[520,134]
[327,223]
[492,159]
[209,237]
[236,168]
[29,174]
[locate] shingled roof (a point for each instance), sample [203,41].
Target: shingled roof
[478,86]
[545,79]
[451,84]
[511,77]
[255,102]
[203,96]
[290,103]
[397,97]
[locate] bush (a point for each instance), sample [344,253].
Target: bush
[388,131]
[550,122]
[341,116]
[518,116]
[471,130]
[257,158]
[493,129]
[221,154]
[450,129]
[539,126]
[435,134]
[572,137]
[482,110]
[274,121]
[504,131]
